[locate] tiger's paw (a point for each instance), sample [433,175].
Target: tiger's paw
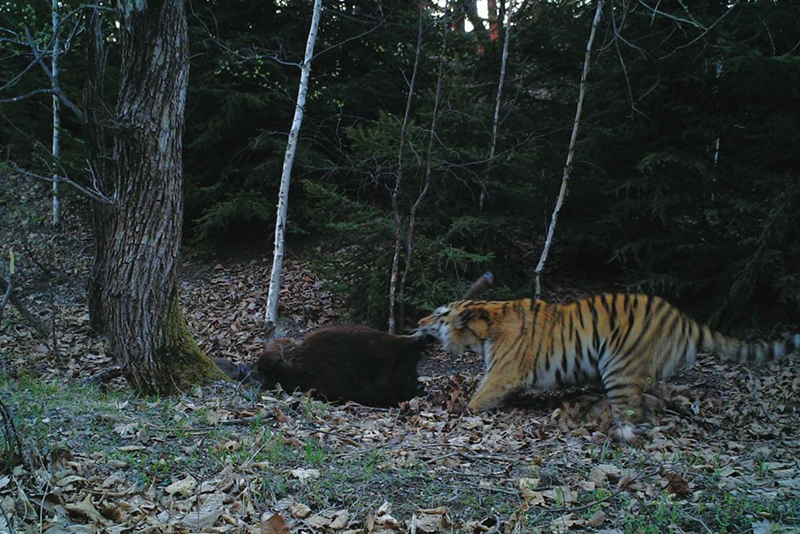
[628,434]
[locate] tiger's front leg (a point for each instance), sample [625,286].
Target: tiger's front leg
[624,393]
[491,393]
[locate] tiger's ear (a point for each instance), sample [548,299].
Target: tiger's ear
[464,317]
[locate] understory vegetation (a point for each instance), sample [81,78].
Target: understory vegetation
[686,174]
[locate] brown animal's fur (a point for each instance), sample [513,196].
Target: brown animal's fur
[347,362]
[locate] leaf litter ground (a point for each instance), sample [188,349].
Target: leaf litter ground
[723,456]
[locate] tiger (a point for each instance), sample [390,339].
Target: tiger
[621,342]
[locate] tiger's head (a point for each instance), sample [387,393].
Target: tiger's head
[458,326]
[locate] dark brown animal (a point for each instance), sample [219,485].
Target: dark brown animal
[346,362]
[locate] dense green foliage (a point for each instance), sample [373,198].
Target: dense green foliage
[653,205]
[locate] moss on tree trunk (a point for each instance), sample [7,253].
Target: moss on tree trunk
[184,363]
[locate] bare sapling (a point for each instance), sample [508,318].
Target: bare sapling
[570,154]
[398,237]
[412,216]
[498,99]
[286,176]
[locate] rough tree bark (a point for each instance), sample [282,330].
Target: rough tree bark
[286,176]
[570,153]
[146,329]
[94,117]
[412,216]
[398,183]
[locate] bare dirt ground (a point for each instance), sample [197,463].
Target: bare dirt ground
[722,456]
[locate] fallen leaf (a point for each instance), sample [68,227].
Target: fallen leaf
[597,519]
[275,524]
[207,514]
[676,484]
[300,510]
[86,508]
[184,487]
[71,479]
[318,521]
[339,520]
[565,523]
[305,474]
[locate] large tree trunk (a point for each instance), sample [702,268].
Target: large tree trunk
[94,117]
[148,334]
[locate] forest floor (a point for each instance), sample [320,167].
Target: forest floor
[724,455]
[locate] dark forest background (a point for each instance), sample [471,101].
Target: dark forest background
[653,205]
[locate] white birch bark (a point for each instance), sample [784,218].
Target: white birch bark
[56,113]
[571,153]
[286,176]
[398,238]
[498,100]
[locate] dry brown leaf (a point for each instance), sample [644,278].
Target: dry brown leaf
[71,479]
[86,509]
[300,510]
[207,514]
[318,521]
[339,519]
[676,484]
[275,524]
[597,519]
[431,522]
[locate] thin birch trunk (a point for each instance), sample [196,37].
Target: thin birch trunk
[398,237]
[571,153]
[286,176]
[498,100]
[56,113]
[412,216]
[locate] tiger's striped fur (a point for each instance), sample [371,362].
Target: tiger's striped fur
[619,341]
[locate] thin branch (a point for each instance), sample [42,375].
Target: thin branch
[93,194]
[54,83]
[27,95]
[7,296]
[30,318]
[673,17]
[353,38]
[690,43]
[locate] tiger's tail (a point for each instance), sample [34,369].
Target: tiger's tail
[739,351]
